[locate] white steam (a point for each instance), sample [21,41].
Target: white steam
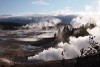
[47,55]
[83,20]
[44,22]
[88,18]
[72,50]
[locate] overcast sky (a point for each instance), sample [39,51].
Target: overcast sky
[45,6]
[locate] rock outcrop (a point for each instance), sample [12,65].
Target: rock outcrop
[5,62]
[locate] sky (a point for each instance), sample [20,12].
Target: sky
[45,6]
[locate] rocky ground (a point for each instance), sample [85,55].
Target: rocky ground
[16,46]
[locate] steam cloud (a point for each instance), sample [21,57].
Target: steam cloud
[72,50]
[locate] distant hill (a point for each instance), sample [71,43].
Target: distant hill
[36,18]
